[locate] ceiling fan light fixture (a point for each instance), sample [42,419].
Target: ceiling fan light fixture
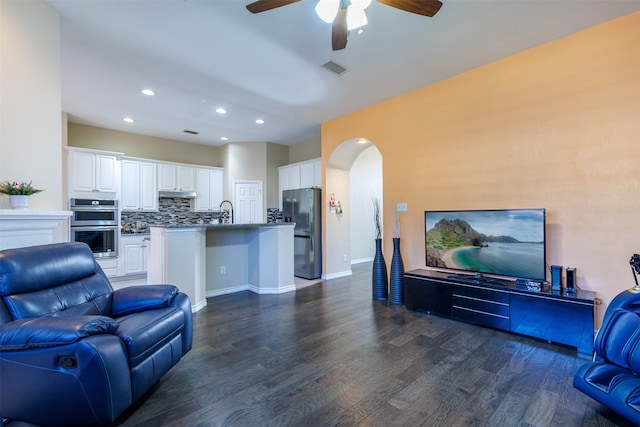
[327,10]
[356,18]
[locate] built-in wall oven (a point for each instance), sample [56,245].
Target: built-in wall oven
[95,222]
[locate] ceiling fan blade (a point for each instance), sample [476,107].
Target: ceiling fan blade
[339,30]
[421,7]
[264,5]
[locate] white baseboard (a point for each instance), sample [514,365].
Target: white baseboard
[336,275]
[361,260]
[199,306]
[225,291]
[271,291]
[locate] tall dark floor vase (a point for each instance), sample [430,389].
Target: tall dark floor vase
[396,283]
[379,274]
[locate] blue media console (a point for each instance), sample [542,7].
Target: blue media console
[554,316]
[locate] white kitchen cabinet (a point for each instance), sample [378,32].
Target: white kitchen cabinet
[186,178]
[175,177]
[305,174]
[283,178]
[294,176]
[109,266]
[139,186]
[133,254]
[167,178]
[93,171]
[283,183]
[317,173]
[209,189]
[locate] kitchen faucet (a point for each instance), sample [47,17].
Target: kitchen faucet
[230,204]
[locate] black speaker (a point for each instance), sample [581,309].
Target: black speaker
[556,277]
[571,279]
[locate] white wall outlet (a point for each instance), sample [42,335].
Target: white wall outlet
[223,269]
[344,257]
[402,207]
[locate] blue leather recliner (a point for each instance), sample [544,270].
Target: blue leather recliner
[73,350]
[613,378]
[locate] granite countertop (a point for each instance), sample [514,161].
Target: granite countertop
[224,226]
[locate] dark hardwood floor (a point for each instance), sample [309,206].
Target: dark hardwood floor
[327,355]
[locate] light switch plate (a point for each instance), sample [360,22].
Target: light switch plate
[402,207]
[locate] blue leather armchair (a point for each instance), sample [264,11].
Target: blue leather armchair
[613,378]
[73,350]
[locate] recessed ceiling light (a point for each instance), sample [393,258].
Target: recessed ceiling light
[221,110]
[260,121]
[224,138]
[147,92]
[128,120]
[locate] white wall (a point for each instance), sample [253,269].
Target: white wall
[366,184]
[336,242]
[30,101]
[243,161]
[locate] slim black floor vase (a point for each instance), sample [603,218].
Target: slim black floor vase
[379,274]
[396,282]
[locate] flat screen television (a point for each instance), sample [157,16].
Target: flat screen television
[506,242]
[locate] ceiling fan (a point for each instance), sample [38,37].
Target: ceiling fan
[340,30]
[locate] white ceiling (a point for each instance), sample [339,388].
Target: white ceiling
[201,54]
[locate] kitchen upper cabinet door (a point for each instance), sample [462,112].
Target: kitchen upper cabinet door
[106,173]
[317,172]
[307,175]
[294,177]
[167,177]
[203,189]
[283,178]
[148,187]
[130,185]
[283,182]
[83,168]
[186,178]
[217,177]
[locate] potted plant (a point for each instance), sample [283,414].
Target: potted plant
[18,193]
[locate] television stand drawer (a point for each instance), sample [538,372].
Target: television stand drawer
[481,306]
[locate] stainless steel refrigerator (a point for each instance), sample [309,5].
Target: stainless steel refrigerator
[304,207]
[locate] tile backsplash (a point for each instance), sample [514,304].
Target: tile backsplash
[171,211]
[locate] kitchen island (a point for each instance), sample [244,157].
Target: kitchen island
[214,259]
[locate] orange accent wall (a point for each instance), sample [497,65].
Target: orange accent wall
[556,126]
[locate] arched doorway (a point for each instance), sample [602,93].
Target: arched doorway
[354,175]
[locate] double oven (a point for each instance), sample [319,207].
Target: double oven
[95,222]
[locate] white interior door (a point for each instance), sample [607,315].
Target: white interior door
[248,202]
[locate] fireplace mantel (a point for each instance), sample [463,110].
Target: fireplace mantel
[24,227]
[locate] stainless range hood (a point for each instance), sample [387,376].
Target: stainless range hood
[179,194]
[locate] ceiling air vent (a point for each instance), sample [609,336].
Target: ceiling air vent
[192,132]
[335,68]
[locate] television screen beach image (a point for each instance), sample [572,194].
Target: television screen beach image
[508,242]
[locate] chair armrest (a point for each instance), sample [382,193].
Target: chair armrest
[134,299]
[52,331]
